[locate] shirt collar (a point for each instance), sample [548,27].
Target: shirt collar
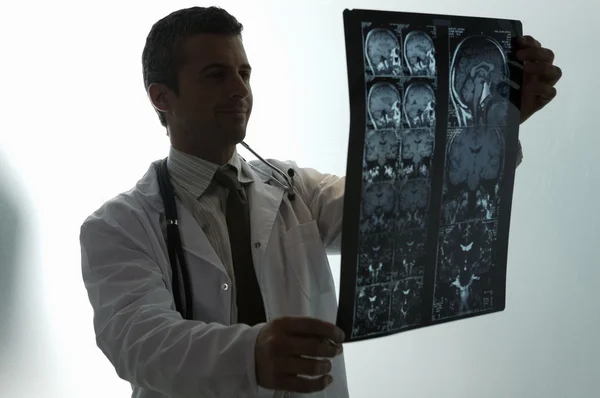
[195,174]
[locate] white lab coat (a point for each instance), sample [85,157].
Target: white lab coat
[127,275]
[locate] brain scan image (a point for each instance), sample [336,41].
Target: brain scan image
[464,282]
[375,259]
[419,105]
[408,266]
[382,152]
[475,159]
[378,206]
[382,53]
[411,242]
[432,123]
[416,153]
[479,82]
[419,54]
[406,303]
[372,310]
[384,106]
[413,204]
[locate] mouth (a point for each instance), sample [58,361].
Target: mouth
[234,111]
[238,115]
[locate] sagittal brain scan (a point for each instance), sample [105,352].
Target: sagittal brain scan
[479,82]
[399,50]
[433,144]
[384,105]
[382,153]
[419,105]
[383,52]
[419,53]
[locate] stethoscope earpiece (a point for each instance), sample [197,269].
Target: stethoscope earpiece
[289,178]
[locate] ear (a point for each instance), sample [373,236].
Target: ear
[161,97]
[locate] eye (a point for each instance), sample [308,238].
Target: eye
[245,75]
[217,75]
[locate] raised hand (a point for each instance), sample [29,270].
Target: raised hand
[289,347]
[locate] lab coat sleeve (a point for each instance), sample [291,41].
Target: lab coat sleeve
[324,195]
[146,340]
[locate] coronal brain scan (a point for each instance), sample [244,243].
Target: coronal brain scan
[426,218]
[419,54]
[382,150]
[382,50]
[379,202]
[419,105]
[464,281]
[406,297]
[372,309]
[411,242]
[479,82]
[417,152]
[475,154]
[475,160]
[407,266]
[385,106]
[413,204]
[375,261]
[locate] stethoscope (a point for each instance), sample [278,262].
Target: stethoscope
[182,291]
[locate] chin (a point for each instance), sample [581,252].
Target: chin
[235,136]
[235,130]
[240,138]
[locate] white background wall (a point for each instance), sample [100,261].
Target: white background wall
[77,129]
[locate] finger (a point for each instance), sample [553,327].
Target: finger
[302,326]
[547,73]
[528,41]
[543,90]
[303,385]
[307,346]
[535,54]
[302,366]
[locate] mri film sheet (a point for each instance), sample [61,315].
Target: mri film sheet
[431,160]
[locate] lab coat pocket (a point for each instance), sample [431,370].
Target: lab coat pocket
[305,254]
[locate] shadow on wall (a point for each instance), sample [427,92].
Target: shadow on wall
[11,227]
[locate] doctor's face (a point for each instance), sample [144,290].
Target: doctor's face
[215,99]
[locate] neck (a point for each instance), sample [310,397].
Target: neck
[210,153]
[212,150]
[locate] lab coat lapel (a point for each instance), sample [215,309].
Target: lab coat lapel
[265,200]
[193,239]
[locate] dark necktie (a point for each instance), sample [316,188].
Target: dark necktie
[249,300]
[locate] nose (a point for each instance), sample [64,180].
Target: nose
[239,87]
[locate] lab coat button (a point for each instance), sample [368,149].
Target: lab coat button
[225,286]
[286,394]
[257,245]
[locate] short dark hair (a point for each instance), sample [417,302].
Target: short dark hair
[160,58]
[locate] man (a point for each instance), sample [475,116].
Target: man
[262,311]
